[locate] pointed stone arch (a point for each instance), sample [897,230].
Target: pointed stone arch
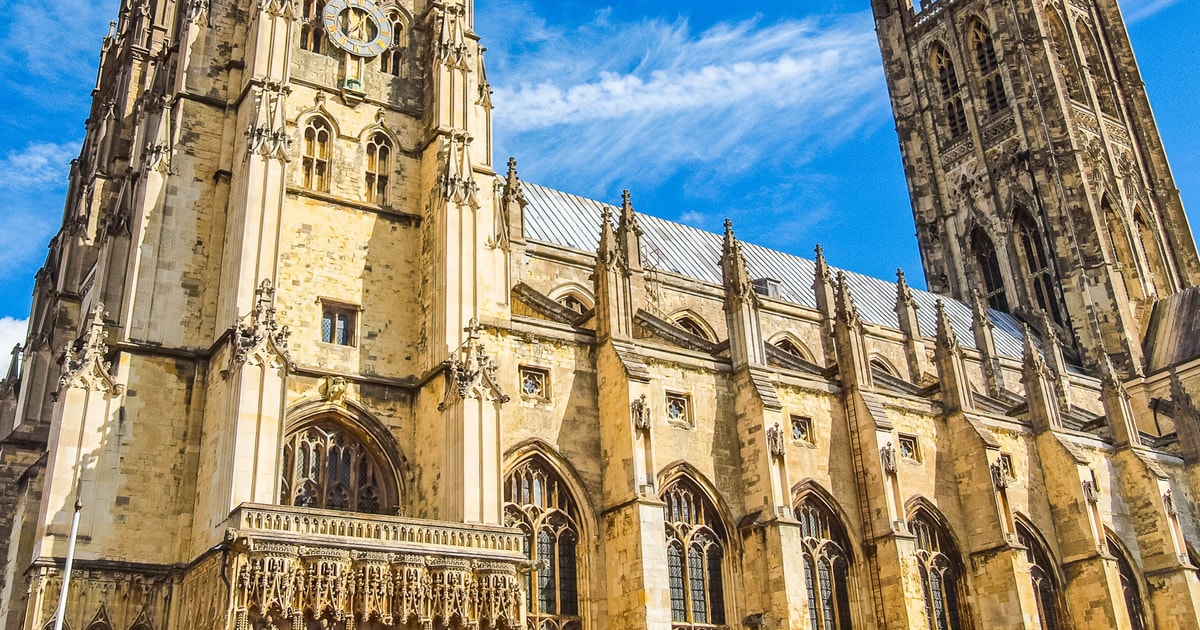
[811,489]
[100,620]
[791,344]
[941,565]
[1046,575]
[701,552]
[695,324]
[878,362]
[545,499]
[377,441]
[142,622]
[828,557]
[573,293]
[1133,584]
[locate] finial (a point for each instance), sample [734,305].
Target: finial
[945,331]
[820,253]
[900,276]
[512,167]
[626,200]
[1030,355]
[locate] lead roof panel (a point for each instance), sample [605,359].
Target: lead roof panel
[571,221]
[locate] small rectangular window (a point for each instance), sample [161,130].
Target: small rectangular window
[802,429]
[910,448]
[338,324]
[1006,466]
[535,383]
[679,410]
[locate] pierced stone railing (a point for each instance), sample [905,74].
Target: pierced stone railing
[377,533]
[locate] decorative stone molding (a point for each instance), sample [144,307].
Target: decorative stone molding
[259,339]
[458,180]
[267,135]
[452,48]
[88,367]
[641,413]
[472,373]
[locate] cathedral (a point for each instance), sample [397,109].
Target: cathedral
[302,356]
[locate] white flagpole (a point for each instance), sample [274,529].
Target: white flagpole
[66,580]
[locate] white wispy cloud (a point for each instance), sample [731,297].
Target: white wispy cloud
[55,42]
[1138,10]
[37,165]
[12,333]
[639,102]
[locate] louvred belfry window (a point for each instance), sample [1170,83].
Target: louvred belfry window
[941,576]
[318,147]
[989,270]
[1098,68]
[1065,55]
[539,504]
[379,168]
[326,466]
[826,567]
[948,86]
[989,67]
[1037,266]
[392,60]
[695,554]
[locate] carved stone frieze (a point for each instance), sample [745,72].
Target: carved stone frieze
[957,151]
[999,131]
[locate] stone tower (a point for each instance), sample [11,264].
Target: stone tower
[1035,168]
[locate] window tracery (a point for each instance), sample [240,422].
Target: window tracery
[826,566]
[988,263]
[1065,56]
[318,148]
[692,326]
[695,553]
[392,60]
[326,466]
[539,504]
[1106,93]
[1129,585]
[989,67]
[1045,585]
[947,79]
[940,574]
[379,167]
[1037,266]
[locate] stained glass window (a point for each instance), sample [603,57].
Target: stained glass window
[328,467]
[538,502]
[940,575]
[695,575]
[826,566]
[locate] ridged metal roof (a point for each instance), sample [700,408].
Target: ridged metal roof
[572,221]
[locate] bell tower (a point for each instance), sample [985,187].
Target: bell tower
[1034,165]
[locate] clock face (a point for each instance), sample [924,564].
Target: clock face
[359,27]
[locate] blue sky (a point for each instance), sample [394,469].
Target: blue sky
[771,113]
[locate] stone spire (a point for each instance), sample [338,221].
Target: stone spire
[513,202]
[1044,411]
[629,234]
[741,306]
[1052,348]
[1117,409]
[985,342]
[853,365]
[956,391]
[823,289]
[614,299]
[914,344]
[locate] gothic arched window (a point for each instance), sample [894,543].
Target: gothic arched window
[826,566]
[989,67]
[326,466]
[318,147]
[947,79]
[539,504]
[1106,93]
[793,348]
[379,167]
[989,269]
[1065,55]
[695,553]
[1045,582]
[1129,585]
[312,26]
[392,60]
[941,575]
[1037,266]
